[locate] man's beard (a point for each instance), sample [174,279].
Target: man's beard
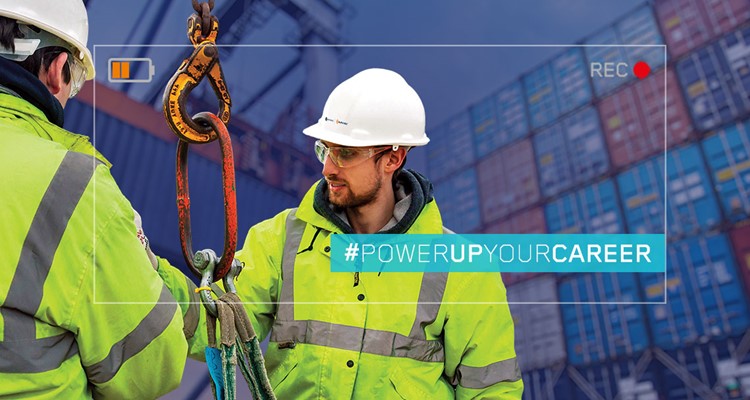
[354,201]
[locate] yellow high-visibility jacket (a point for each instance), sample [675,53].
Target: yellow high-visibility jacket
[70,252]
[392,336]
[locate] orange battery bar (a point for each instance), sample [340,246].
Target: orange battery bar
[120,70]
[130,70]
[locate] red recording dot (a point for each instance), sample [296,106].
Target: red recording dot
[641,69]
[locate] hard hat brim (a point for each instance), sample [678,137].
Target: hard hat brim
[319,132]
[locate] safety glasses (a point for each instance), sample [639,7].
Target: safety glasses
[35,39]
[77,75]
[346,157]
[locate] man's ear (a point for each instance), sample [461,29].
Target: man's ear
[395,159]
[52,77]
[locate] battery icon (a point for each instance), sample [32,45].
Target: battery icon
[140,70]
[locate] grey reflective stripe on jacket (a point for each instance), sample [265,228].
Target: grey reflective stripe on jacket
[25,292]
[20,350]
[482,377]
[155,322]
[414,346]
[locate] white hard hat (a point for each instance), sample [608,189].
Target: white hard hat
[65,19]
[374,107]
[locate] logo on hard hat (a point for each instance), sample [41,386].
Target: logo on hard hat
[337,121]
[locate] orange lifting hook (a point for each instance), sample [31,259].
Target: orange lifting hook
[204,61]
[204,127]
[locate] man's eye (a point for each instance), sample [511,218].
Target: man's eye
[347,153]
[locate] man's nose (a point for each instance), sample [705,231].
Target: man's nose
[329,168]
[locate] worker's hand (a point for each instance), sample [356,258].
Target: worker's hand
[144,240]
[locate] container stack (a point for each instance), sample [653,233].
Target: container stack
[560,150]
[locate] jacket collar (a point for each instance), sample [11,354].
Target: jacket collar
[30,88]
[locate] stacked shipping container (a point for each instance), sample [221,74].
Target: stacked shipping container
[506,183]
[703,292]
[728,157]
[536,322]
[560,151]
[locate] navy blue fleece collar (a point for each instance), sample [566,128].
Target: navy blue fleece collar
[31,89]
[414,183]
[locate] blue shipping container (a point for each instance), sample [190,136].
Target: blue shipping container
[704,294]
[505,123]
[553,163]
[563,215]
[570,152]
[540,96]
[586,147]
[640,27]
[706,370]
[571,79]
[458,197]
[484,126]
[600,208]
[716,80]
[642,196]
[728,157]
[451,147]
[593,209]
[736,48]
[690,197]
[627,379]
[682,365]
[600,332]
[690,200]
[605,51]
[548,384]
[511,113]
[637,28]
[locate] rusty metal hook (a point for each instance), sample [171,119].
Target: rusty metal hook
[230,200]
[204,61]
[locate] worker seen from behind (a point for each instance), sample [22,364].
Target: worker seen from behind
[368,335]
[70,244]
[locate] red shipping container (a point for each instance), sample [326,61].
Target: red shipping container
[687,24]
[529,221]
[725,15]
[623,128]
[740,238]
[491,176]
[633,119]
[650,91]
[507,181]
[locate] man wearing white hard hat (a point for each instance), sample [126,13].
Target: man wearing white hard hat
[71,254]
[369,335]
